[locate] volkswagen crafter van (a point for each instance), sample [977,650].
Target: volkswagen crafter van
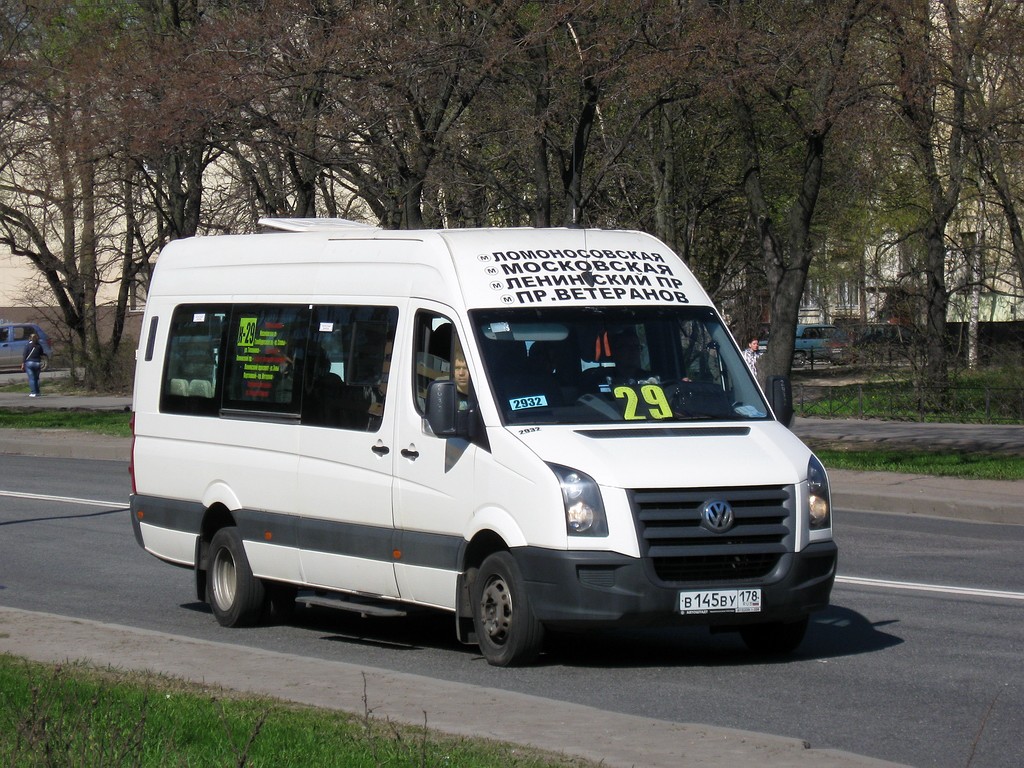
[531,429]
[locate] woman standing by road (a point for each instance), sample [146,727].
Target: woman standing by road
[32,364]
[750,355]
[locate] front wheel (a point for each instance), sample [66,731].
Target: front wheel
[508,632]
[235,595]
[776,639]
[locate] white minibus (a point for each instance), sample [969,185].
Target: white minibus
[531,429]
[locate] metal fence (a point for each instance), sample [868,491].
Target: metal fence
[906,402]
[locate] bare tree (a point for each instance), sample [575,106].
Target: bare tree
[413,69]
[791,73]
[105,161]
[57,202]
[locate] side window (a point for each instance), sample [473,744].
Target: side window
[345,383]
[191,381]
[436,342]
[265,358]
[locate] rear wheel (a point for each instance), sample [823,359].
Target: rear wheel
[508,632]
[778,638]
[235,595]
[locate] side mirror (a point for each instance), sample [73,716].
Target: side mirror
[443,409]
[780,397]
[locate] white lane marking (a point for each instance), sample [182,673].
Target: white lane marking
[63,499]
[912,586]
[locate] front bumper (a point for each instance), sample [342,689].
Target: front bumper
[572,590]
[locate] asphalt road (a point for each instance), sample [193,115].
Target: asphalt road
[925,675]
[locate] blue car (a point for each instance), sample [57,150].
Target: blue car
[816,343]
[820,342]
[14,338]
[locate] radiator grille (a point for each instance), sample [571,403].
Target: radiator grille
[682,551]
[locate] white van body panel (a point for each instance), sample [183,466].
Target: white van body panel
[760,454]
[257,468]
[272,561]
[432,587]
[222,494]
[327,571]
[499,520]
[173,546]
[514,477]
[619,264]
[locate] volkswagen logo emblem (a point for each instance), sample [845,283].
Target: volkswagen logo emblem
[716,515]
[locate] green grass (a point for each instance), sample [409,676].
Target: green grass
[77,715]
[986,396]
[114,423]
[968,465]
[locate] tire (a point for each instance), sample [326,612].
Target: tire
[236,597]
[799,359]
[776,639]
[507,631]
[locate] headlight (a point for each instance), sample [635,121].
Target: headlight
[584,511]
[819,500]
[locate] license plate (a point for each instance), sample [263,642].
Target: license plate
[721,601]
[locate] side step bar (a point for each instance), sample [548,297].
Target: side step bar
[350,604]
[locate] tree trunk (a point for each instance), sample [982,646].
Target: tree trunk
[936,303]
[95,359]
[541,170]
[572,166]
[663,172]
[785,266]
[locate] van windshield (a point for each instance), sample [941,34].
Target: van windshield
[582,365]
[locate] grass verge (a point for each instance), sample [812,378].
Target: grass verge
[113,423]
[974,466]
[73,714]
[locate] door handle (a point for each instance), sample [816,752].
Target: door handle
[410,453]
[381,450]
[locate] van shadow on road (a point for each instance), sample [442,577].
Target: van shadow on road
[834,632]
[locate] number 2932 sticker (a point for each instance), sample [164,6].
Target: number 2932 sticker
[531,401]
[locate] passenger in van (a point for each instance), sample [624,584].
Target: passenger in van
[460,373]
